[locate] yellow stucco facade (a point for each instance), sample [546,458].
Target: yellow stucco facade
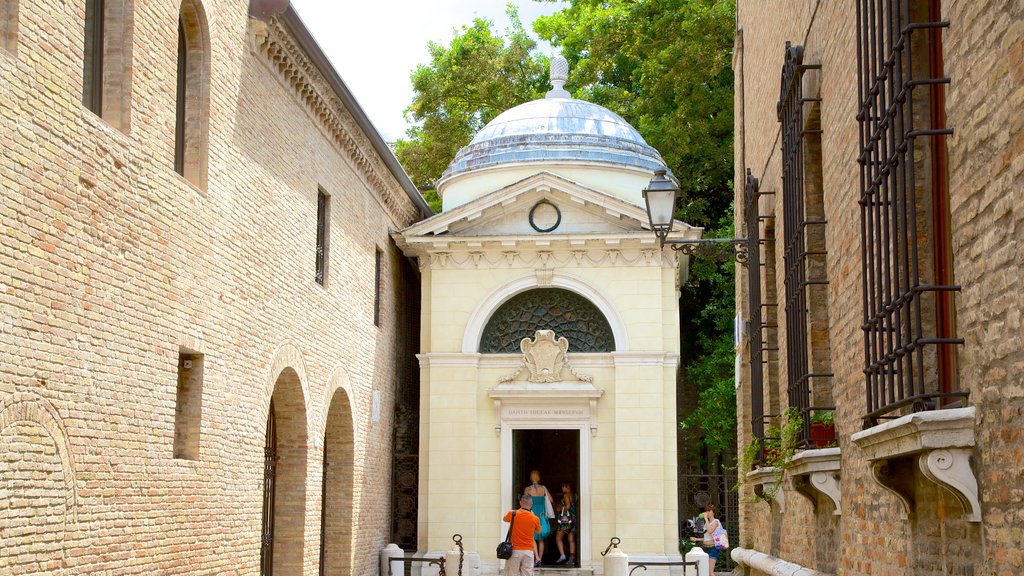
[476,257]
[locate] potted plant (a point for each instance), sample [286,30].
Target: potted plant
[823,429]
[780,444]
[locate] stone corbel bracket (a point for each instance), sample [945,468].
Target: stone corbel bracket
[768,486]
[815,471]
[940,441]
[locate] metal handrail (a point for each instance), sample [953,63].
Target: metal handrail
[430,561]
[644,564]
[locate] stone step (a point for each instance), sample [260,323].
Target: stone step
[562,571]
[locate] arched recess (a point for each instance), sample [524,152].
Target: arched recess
[107,60]
[486,308]
[336,534]
[37,478]
[285,464]
[192,94]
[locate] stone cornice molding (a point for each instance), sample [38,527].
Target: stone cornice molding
[818,471]
[939,442]
[273,41]
[595,252]
[545,183]
[571,401]
[578,359]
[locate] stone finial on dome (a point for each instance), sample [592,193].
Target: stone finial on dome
[559,74]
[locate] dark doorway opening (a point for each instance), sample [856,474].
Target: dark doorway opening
[556,455]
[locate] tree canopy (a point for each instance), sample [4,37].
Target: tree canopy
[479,75]
[664,66]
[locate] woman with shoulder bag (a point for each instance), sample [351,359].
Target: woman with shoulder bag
[712,525]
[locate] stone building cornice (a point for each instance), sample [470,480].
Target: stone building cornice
[275,40]
[543,253]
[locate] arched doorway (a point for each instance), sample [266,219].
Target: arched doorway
[336,520]
[284,483]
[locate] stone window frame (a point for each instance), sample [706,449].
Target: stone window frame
[192,94]
[107,66]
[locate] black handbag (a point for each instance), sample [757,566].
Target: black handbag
[504,550]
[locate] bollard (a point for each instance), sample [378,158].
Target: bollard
[701,558]
[386,554]
[454,559]
[616,563]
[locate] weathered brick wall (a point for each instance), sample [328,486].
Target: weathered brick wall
[112,263]
[984,56]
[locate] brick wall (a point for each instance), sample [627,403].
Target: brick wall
[984,56]
[113,264]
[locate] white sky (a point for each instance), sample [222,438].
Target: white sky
[375,44]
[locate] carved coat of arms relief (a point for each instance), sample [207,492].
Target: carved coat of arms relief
[545,358]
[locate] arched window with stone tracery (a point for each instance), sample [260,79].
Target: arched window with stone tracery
[565,312]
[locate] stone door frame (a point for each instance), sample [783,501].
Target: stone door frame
[583,491]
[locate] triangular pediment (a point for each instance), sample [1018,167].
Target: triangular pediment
[542,204]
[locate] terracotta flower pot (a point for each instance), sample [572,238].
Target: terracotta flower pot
[822,434]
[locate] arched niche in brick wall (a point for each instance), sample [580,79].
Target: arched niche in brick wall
[38,481]
[285,469]
[338,480]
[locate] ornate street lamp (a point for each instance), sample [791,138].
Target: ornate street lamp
[660,197]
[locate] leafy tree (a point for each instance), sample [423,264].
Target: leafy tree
[477,76]
[664,66]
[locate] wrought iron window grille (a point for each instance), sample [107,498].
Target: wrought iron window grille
[908,341]
[799,248]
[321,236]
[751,194]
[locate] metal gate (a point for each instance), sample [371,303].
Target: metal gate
[269,473]
[698,490]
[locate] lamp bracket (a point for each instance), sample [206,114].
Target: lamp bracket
[719,249]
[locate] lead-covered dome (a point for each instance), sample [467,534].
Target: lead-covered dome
[581,140]
[561,130]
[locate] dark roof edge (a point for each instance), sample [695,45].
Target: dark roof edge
[298,29]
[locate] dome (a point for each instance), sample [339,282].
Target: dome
[556,130]
[558,133]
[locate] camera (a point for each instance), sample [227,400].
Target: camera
[693,527]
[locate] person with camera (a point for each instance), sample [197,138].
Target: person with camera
[523,525]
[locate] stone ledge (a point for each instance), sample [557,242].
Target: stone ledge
[939,442]
[818,471]
[768,485]
[770,564]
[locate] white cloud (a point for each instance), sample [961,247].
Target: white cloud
[375,44]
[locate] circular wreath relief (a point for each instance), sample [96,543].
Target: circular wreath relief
[563,311]
[545,216]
